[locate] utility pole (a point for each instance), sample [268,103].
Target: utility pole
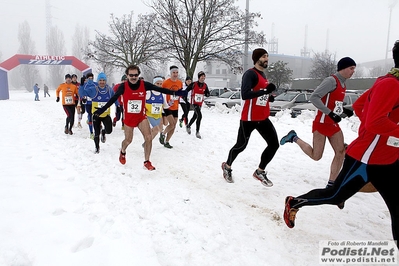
[245,63]
[391,6]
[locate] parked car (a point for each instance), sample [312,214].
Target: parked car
[287,100]
[216,92]
[349,99]
[228,99]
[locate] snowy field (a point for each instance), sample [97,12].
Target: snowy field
[61,204]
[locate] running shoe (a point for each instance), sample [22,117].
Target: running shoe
[103,138]
[97,150]
[288,138]
[92,135]
[188,129]
[262,177]
[70,132]
[198,135]
[167,145]
[161,138]
[289,212]
[149,166]
[181,122]
[122,157]
[227,173]
[66,130]
[79,125]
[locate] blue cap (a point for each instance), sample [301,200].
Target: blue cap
[101,76]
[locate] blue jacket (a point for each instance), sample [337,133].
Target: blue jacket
[35,89]
[89,89]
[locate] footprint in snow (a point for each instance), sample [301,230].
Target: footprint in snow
[83,244]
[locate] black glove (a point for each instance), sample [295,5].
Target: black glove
[58,99]
[336,118]
[181,92]
[347,111]
[98,112]
[84,100]
[270,88]
[271,98]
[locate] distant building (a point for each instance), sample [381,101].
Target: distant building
[219,74]
[351,84]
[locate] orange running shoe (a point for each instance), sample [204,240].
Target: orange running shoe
[122,157]
[148,165]
[289,212]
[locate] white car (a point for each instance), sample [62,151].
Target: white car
[228,99]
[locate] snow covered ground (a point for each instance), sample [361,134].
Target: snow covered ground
[61,204]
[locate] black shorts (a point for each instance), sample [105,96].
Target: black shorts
[168,112]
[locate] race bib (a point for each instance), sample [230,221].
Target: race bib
[198,98]
[156,108]
[134,106]
[68,99]
[393,142]
[338,109]
[262,100]
[101,104]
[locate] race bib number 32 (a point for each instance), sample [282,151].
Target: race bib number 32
[134,106]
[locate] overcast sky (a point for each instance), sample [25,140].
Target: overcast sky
[355,28]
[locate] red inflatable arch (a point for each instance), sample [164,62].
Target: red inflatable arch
[19,59]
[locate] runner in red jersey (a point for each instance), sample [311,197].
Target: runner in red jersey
[199,90]
[133,92]
[328,99]
[371,157]
[255,93]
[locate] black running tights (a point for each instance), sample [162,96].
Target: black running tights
[268,133]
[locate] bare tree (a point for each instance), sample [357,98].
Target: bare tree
[378,71]
[128,43]
[278,73]
[55,46]
[324,65]
[80,42]
[359,73]
[192,31]
[108,69]
[28,74]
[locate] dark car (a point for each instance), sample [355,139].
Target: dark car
[350,98]
[287,100]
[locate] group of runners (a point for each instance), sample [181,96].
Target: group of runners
[371,159]
[151,107]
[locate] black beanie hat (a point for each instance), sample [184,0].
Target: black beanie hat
[188,78]
[258,53]
[68,76]
[201,73]
[345,62]
[395,53]
[123,78]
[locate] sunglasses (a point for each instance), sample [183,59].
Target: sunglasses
[133,75]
